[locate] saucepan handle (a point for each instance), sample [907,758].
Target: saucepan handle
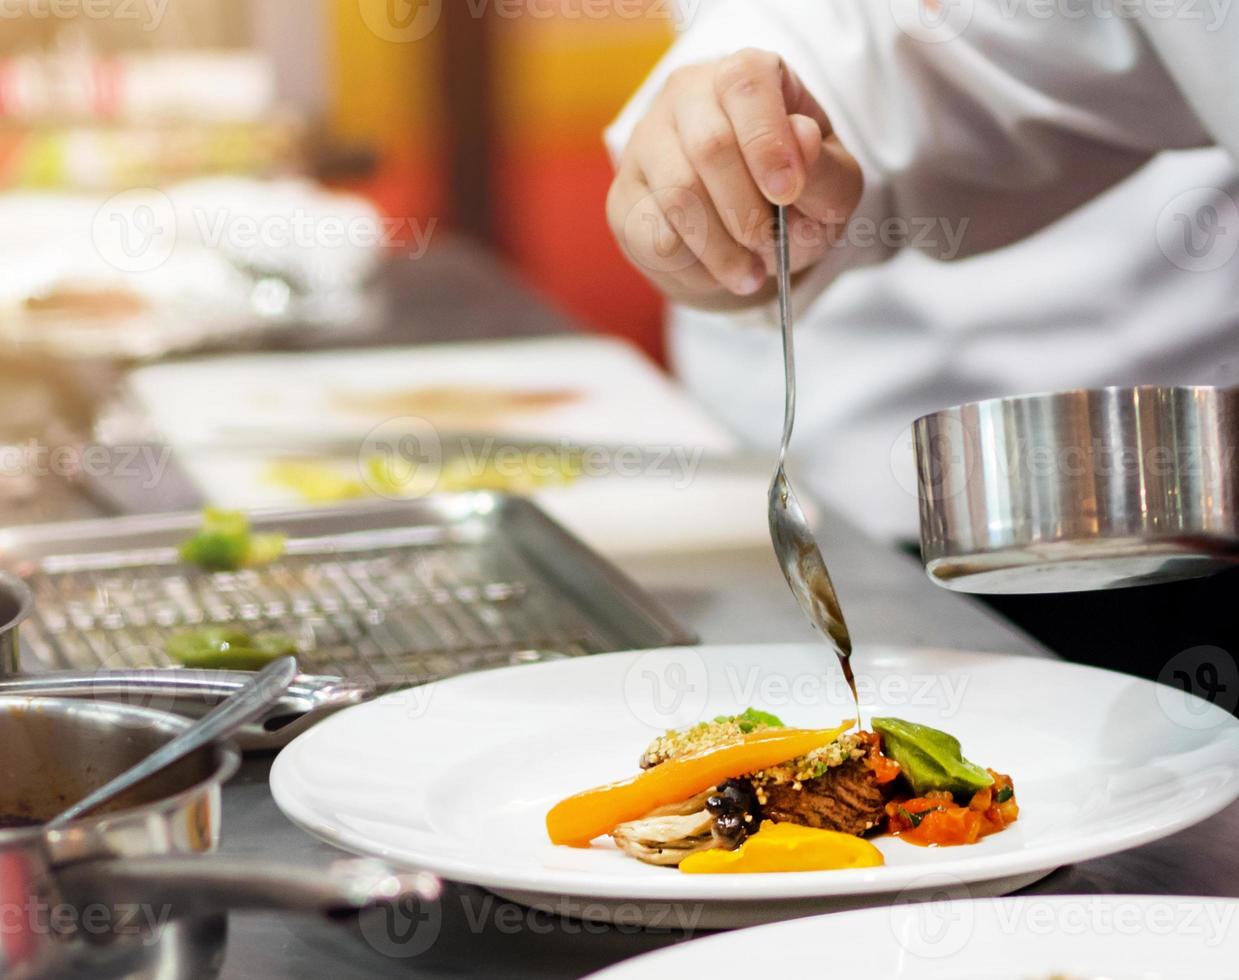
[192,693]
[193,886]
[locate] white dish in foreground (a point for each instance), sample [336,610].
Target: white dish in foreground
[457,777]
[1028,938]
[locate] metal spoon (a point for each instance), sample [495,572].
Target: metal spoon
[264,689]
[794,544]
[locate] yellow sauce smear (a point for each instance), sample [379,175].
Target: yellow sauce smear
[786,847]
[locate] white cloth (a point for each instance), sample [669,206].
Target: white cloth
[1013,120]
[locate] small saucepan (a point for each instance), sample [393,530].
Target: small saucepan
[127,892]
[1091,489]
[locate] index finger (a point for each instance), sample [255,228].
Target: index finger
[749,87]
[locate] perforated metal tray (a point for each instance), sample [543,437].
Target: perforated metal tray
[389,593]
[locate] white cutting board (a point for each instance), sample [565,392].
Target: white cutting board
[617,397]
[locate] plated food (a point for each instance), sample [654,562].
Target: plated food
[746,793]
[1099,765]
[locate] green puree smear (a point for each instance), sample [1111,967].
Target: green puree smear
[930,759]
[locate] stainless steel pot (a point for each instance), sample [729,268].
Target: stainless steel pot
[126,892]
[1080,490]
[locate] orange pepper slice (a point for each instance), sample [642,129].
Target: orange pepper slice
[579,819]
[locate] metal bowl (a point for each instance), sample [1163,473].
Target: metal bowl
[1081,490]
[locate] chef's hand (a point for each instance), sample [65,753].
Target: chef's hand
[691,204]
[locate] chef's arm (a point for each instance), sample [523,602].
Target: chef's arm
[966,140]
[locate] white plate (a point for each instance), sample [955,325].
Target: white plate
[457,777]
[1029,938]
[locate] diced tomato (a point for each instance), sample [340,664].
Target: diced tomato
[884,770]
[935,820]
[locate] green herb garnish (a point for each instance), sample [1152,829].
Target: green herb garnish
[751,719]
[226,543]
[931,760]
[1004,794]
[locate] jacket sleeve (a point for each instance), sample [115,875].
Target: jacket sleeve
[976,122]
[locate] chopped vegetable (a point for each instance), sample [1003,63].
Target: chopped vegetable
[751,719]
[228,648]
[787,847]
[937,821]
[579,819]
[226,544]
[931,760]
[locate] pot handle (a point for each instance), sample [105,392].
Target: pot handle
[192,693]
[192,886]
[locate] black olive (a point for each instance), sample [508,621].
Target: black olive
[735,813]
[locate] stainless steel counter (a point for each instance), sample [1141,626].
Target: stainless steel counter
[728,597]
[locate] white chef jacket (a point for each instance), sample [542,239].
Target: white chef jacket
[1018,121]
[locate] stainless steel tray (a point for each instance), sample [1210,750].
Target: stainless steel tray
[390,594]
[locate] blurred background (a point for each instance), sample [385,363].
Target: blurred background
[483,118]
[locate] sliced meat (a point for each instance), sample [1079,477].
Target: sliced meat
[847,798]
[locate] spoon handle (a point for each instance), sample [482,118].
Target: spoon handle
[264,689]
[783,267]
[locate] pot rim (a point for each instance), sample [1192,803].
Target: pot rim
[1048,396]
[227,753]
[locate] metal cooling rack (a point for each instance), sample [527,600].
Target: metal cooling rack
[390,594]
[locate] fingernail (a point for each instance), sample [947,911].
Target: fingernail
[752,282]
[781,182]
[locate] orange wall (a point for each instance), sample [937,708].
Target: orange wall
[559,78]
[563,81]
